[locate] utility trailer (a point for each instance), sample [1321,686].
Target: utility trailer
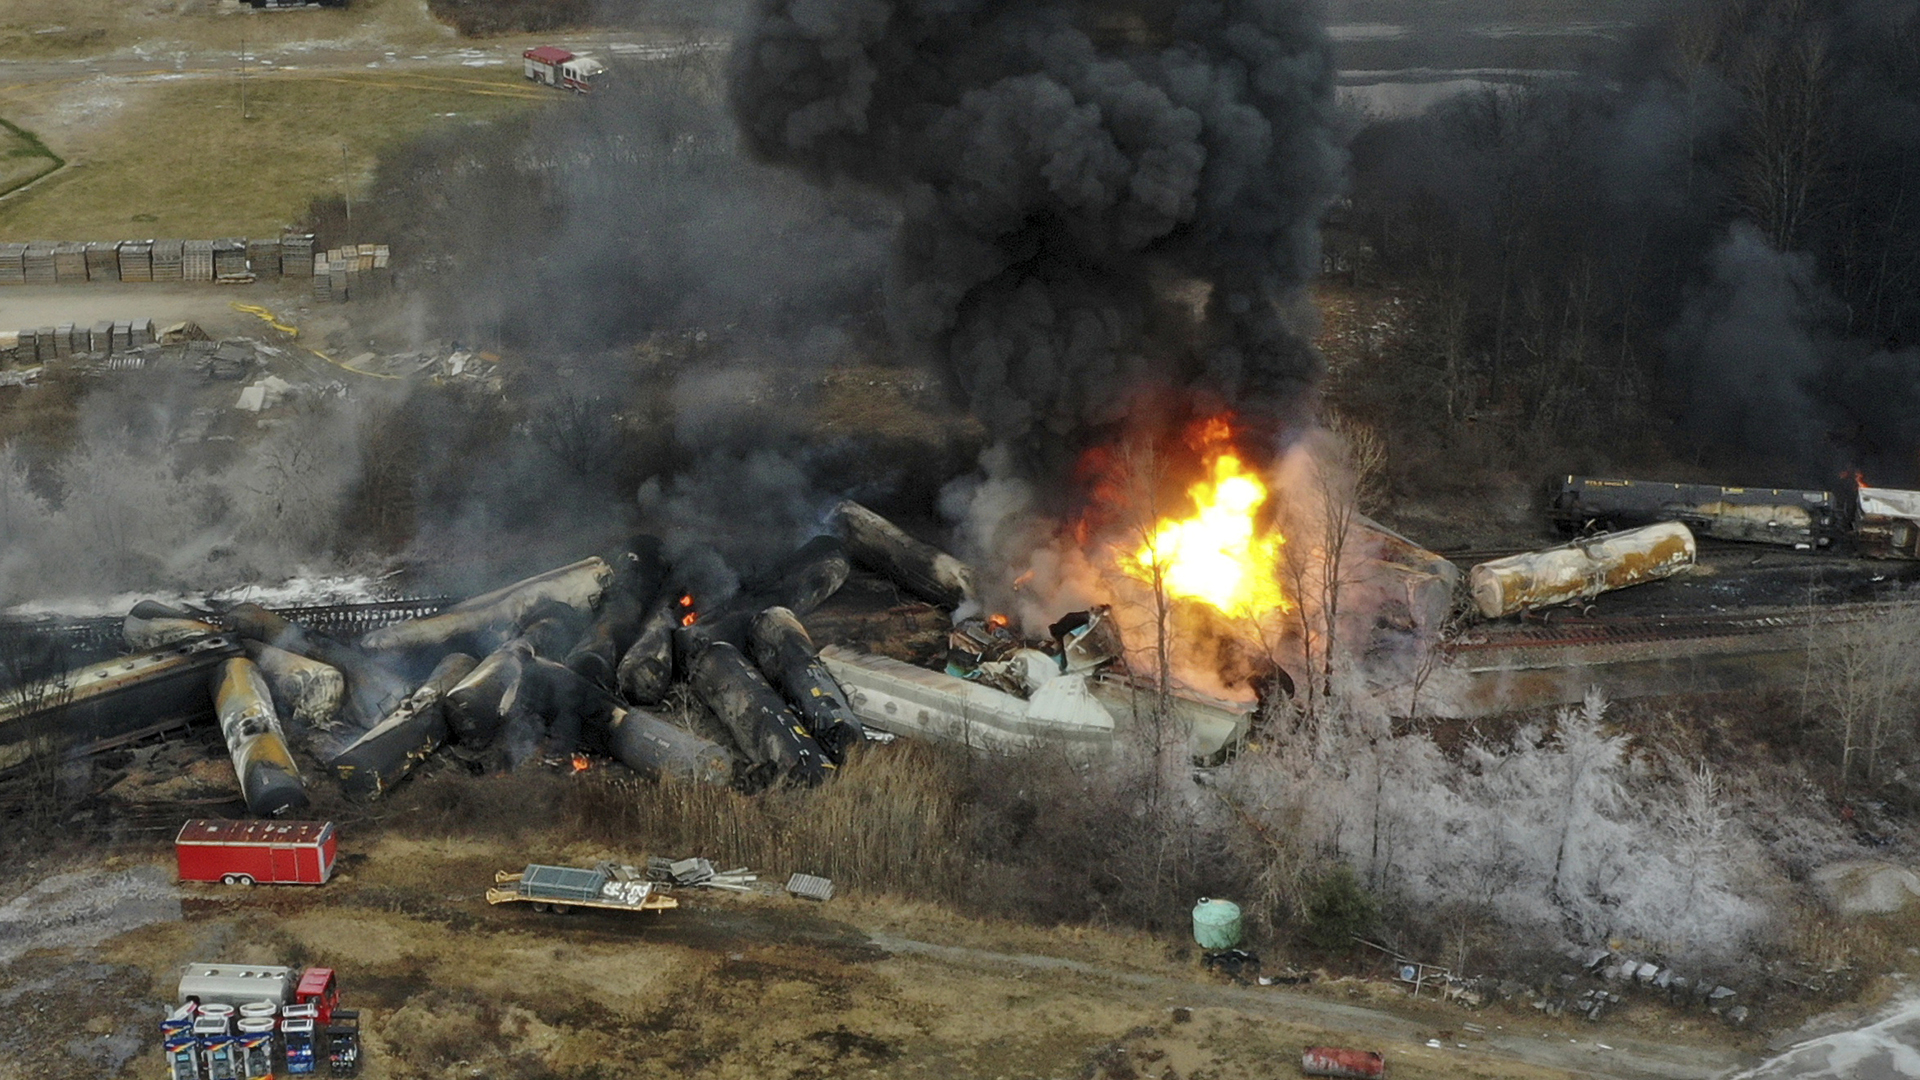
[560,889]
[257,852]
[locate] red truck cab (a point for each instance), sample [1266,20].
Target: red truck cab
[321,990]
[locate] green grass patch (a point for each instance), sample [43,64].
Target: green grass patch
[184,162]
[23,157]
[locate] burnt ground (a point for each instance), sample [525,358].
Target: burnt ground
[760,985]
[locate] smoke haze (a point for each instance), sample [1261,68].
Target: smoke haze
[1090,214]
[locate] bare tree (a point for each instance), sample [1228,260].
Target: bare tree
[1862,680]
[1321,528]
[577,429]
[31,693]
[1783,81]
[1145,474]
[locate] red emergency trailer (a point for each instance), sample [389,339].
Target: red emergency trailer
[263,852]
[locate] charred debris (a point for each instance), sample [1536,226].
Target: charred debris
[583,660]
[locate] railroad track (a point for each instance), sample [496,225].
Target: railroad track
[1705,545]
[1574,630]
[95,633]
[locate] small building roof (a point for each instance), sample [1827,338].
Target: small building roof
[205,831]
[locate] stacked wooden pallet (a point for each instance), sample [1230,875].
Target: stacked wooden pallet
[100,338]
[167,260]
[136,260]
[322,278]
[103,261]
[296,255]
[263,257]
[349,270]
[69,263]
[39,263]
[63,340]
[196,261]
[229,260]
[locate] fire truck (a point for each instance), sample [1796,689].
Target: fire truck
[555,66]
[257,852]
[242,1021]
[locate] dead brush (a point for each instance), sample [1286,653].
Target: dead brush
[891,823]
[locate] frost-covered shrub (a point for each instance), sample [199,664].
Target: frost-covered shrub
[1550,828]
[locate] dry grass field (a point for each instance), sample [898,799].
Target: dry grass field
[23,158]
[178,158]
[61,29]
[760,986]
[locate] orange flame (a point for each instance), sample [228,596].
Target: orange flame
[998,622]
[1221,555]
[580,763]
[692,616]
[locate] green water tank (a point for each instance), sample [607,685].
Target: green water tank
[1216,923]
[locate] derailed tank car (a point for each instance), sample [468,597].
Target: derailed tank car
[1580,570]
[1886,523]
[1790,517]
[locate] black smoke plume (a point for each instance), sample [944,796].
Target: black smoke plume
[1099,207]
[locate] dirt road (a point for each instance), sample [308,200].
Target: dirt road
[760,986]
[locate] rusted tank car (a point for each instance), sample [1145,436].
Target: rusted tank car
[1580,570]
[1790,517]
[1335,1061]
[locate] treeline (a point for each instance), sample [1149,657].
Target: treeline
[1710,253]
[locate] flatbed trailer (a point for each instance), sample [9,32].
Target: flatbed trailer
[560,889]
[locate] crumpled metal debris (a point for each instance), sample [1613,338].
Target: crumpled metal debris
[699,873]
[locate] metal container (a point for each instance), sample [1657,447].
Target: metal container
[1580,570]
[221,988]
[1216,924]
[561,883]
